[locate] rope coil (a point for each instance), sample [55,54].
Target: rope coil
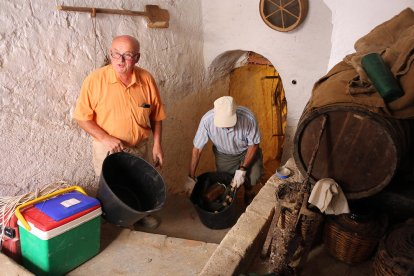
[9,204]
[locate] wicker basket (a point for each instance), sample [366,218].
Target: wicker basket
[395,255]
[286,195]
[307,223]
[352,241]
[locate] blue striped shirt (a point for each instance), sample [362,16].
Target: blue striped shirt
[232,140]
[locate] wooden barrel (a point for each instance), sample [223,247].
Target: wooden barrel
[359,149]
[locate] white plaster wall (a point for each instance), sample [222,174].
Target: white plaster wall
[44,56]
[353,19]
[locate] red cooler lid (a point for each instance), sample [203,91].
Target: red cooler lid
[66,205]
[45,223]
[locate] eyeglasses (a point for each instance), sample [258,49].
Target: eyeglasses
[126,56]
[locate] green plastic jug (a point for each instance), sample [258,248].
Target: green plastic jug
[381,77]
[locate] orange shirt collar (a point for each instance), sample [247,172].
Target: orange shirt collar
[113,78]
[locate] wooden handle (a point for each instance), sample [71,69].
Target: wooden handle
[43,198]
[157,18]
[99,10]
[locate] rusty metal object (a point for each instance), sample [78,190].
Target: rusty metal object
[214,192]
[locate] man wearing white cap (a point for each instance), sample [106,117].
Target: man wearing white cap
[235,135]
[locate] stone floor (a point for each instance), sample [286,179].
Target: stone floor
[181,245]
[139,253]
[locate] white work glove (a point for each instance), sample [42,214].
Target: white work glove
[189,185]
[238,179]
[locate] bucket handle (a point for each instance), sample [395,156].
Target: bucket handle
[42,198]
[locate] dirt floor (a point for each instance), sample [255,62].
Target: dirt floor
[179,219]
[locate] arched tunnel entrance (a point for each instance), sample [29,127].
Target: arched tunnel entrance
[256,84]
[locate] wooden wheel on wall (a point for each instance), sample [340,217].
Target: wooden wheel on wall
[283,15]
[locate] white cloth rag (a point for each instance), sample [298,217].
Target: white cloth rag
[328,197]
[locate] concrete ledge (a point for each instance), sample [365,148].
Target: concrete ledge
[244,240]
[222,262]
[242,237]
[264,201]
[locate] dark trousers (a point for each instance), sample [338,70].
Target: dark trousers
[230,163]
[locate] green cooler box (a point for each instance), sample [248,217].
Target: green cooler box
[64,233]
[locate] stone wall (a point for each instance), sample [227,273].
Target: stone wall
[44,56]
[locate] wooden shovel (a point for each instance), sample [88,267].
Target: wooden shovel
[157,18]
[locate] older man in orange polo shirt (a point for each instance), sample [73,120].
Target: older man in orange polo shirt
[120,105]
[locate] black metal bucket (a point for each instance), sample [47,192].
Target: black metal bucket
[129,189]
[221,219]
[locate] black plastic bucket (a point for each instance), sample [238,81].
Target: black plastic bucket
[129,189]
[215,220]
